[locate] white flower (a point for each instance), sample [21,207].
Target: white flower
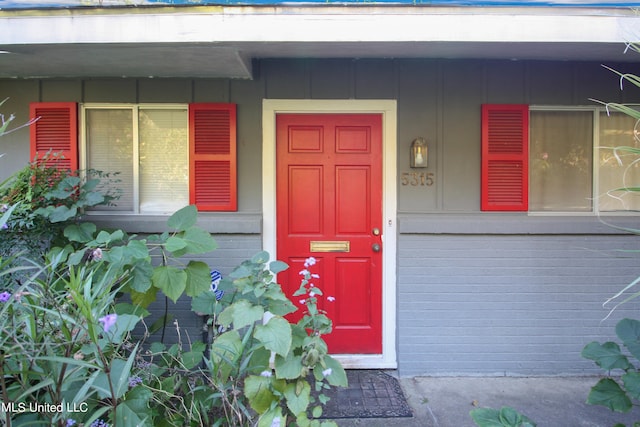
[326,372]
[331,299]
[302,301]
[309,261]
[315,276]
[266,374]
[96,255]
[312,294]
[304,272]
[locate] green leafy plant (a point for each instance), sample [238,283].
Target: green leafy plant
[249,327]
[617,392]
[67,337]
[504,417]
[627,293]
[65,348]
[67,334]
[43,200]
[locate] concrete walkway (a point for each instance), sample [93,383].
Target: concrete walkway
[548,401]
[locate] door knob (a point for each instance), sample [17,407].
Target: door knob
[375,231]
[375,247]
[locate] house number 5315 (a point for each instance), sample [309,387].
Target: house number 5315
[417,179]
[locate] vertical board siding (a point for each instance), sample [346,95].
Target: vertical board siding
[507,304]
[468,304]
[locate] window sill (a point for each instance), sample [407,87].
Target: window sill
[214,223]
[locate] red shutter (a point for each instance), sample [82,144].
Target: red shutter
[55,131]
[505,158]
[212,157]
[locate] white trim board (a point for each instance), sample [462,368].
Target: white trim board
[388,109]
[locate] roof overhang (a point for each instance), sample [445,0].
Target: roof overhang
[221,41]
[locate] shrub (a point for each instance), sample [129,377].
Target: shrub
[617,392]
[67,342]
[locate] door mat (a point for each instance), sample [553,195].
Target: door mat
[370,394]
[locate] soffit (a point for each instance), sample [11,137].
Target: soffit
[212,42]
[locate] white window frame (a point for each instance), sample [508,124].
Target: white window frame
[135,108]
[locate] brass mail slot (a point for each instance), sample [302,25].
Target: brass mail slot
[330,246]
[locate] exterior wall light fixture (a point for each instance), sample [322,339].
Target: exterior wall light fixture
[419,153]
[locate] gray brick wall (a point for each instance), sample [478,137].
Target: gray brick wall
[232,250]
[508,304]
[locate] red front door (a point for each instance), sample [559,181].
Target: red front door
[329,206]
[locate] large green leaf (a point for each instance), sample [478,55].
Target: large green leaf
[281,307]
[106,238]
[241,314]
[240,272]
[225,351]
[259,361]
[198,241]
[141,273]
[183,218]
[608,393]
[117,255]
[143,299]
[205,303]
[63,213]
[91,198]
[259,394]
[134,410]
[631,382]
[608,355]
[137,249]
[170,280]
[175,244]
[275,335]
[198,278]
[510,417]
[298,396]
[486,417]
[82,232]
[338,376]
[289,367]
[629,332]
[278,266]
[261,257]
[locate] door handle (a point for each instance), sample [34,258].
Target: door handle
[376,247]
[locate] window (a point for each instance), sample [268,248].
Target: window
[618,168]
[166,156]
[148,147]
[560,160]
[554,159]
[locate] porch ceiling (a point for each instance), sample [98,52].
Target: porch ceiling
[222,41]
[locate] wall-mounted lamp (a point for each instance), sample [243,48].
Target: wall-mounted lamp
[419,153]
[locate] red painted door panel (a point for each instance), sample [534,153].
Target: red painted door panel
[329,190]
